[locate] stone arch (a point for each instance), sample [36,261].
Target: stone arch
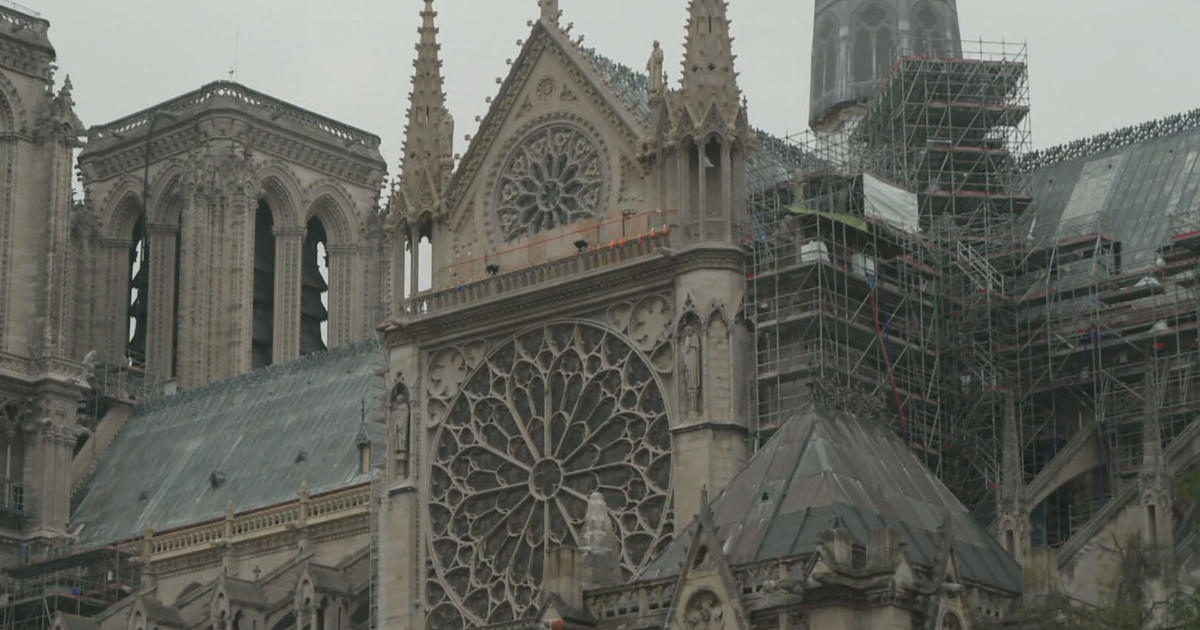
[12,111]
[125,207]
[167,198]
[825,55]
[281,190]
[872,41]
[335,209]
[928,26]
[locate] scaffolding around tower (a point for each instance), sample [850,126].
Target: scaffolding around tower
[905,257]
[882,263]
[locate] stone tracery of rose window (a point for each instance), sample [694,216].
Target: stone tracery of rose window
[553,177]
[549,417]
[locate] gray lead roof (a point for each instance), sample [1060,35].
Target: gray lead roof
[1128,184]
[823,468]
[249,430]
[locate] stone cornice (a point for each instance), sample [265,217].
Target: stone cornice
[120,152]
[715,425]
[68,374]
[25,57]
[569,292]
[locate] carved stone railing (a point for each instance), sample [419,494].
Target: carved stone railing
[22,17]
[240,527]
[647,598]
[643,599]
[553,271]
[229,91]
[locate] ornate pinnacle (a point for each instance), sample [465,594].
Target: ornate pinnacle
[708,53]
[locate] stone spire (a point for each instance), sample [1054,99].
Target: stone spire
[708,75]
[428,140]
[1012,520]
[1154,478]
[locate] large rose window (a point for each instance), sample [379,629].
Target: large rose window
[550,417]
[555,176]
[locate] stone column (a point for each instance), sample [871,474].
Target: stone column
[683,194]
[160,336]
[289,245]
[398,271]
[241,219]
[342,310]
[414,244]
[701,194]
[48,450]
[192,348]
[113,317]
[725,212]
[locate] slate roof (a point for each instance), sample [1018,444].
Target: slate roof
[823,468]
[249,430]
[1127,183]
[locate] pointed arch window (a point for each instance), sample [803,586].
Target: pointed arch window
[825,56]
[138,294]
[874,42]
[314,289]
[929,32]
[263,314]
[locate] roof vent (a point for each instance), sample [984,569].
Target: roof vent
[216,479]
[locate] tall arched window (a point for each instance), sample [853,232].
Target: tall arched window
[929,33]
[263,318]
[139,285]
[874,45]
[825,57]
[423,256]
[314,289]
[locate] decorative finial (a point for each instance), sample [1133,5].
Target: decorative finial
[550,10]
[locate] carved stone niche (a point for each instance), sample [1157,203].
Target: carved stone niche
[704,611]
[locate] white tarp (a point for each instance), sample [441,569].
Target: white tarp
[891,204]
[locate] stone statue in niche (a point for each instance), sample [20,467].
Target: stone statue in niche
[400,409]
[704,612]
[655,68]
[690,348]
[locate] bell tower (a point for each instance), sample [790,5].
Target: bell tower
[856,43]
[43,380]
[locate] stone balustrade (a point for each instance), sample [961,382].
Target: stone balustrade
[645,598]
[553,271]
[240,527]
[238,94]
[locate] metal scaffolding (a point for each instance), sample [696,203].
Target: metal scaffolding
[899,258]
[82,584]
[883,264]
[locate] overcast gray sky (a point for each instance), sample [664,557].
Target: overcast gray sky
[1095,64]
